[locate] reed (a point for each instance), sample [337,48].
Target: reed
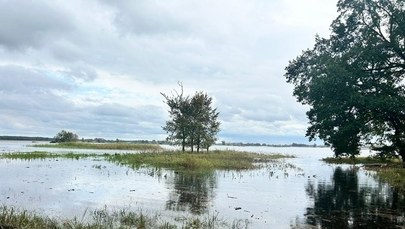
[104,219]
[389,170]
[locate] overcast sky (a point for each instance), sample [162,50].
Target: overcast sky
[97,67]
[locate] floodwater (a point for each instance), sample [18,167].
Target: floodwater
[297,192]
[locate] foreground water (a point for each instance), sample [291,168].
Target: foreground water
[290,193]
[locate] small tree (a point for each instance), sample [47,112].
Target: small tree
[65,136]
[178,127]
[193,122]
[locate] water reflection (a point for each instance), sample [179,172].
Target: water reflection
[191,191]
[347,203]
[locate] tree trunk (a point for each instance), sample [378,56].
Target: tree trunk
[198,144]
[402,155]
[183,144]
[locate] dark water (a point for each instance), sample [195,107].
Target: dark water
[300,192]
[347,203]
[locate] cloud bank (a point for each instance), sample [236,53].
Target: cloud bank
[97,67]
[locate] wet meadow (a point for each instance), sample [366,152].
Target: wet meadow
[272,187]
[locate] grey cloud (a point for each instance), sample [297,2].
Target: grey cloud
[17,79]
[235,51]
[25,24]
[81,71]
[146,17]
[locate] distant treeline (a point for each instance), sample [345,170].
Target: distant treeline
[160,142]
[97,140]
[270,145]
[25,138]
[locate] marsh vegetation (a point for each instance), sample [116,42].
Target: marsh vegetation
[389,170]
[105,219]
[225,160]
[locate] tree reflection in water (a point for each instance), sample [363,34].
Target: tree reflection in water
[345,203]
[191,192]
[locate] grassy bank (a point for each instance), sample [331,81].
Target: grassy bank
[388,170]
[103,219]
[45,155]
[111,146]
[361,160]
[225,160]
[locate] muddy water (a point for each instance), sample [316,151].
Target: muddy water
[293,192]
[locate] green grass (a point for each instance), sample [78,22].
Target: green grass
[393,175]
[359,160]
[388,170]
[45,155]
[225,160]
[103,219]
[111,146]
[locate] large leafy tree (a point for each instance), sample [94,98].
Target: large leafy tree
[353,81]
[193,121]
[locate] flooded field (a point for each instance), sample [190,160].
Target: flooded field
[296,192]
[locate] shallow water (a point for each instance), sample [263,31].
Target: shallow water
[292,192]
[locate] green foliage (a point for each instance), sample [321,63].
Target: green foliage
[193,122]
[65,136]
[353,80]
[226,160]
[45,155]
[105,219]
[360,160]
[387,170]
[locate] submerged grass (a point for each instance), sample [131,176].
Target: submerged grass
[388,170]
[217,159]
[104,219]
[393,175]
[45,155]
[111,146]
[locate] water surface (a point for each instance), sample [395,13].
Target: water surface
[292,192]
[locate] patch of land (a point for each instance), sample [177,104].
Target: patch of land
[218,159]
[388,170]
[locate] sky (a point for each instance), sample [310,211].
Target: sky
[97,67]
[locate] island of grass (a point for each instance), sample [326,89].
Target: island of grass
[388,170]
[218,159]
[102,146]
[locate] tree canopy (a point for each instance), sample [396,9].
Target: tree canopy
[193,121]
[65,136]
[353,81]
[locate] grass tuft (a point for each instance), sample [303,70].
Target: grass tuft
[359,160]
[103,219]
[46,155]
[388,170]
